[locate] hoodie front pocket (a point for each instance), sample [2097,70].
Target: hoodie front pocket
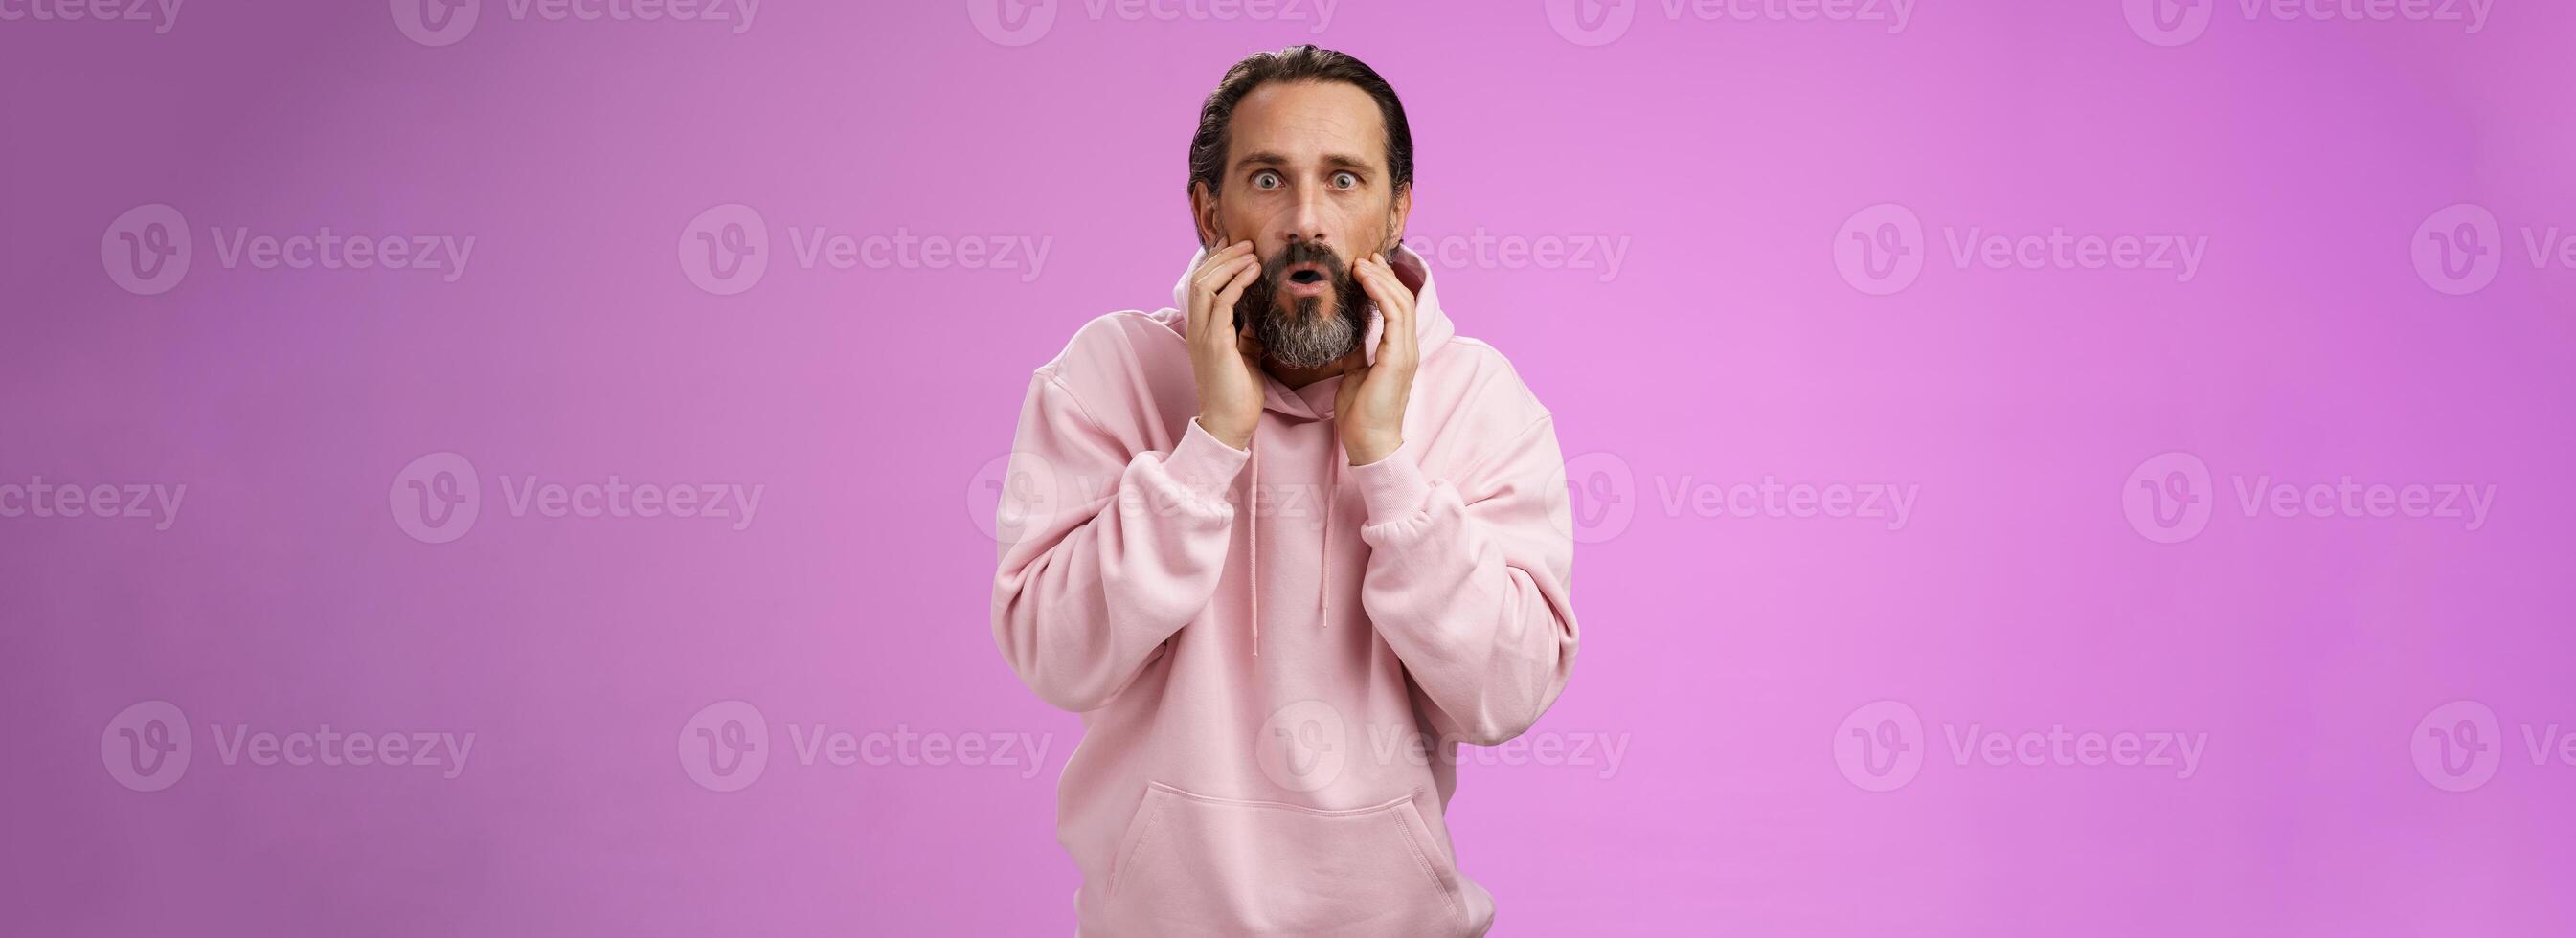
[1193,863]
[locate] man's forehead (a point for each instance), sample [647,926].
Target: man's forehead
[1308,120]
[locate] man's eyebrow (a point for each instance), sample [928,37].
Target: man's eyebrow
[1334,160]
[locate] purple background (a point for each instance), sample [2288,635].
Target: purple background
[1730,655]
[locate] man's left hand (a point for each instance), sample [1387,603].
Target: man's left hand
[1369,406]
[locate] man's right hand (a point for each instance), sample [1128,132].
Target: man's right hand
[1227,365]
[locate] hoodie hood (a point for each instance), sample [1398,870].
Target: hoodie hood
[1431,330]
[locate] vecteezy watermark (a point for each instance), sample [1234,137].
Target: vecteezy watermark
[1020,22]
[1484,250]
[1601,752]
[36,498]
[148,747]
[1603,498]
[161,15]
[1880,250]
[2458,746]
[1601,22]
[2169,498]
[1890,503]
[726,250]
[2459,249]
[1880,746]
[438,497]
[443,22]
[1017,493]
[148,250]
[726,745]
[2176,22]
[1306,745]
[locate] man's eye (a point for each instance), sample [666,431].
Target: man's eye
[1265,179]
[1345,181]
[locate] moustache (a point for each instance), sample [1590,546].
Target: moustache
[1274,272]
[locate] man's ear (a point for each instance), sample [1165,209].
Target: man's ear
[1203,216]
[1396,216]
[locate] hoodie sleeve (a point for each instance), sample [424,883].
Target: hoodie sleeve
[1104,553]
[1469,578]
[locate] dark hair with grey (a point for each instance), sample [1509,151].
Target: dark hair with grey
[1295,63]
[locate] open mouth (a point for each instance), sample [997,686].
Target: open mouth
[1306,275]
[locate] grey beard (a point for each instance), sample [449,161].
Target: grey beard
[1297,337]
[1305,340]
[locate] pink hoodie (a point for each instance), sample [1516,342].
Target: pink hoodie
[1274,668]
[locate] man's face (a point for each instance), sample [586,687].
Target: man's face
[1306,183]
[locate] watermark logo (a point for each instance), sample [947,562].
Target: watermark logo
[1601,254]
[1303,746]
[2169,22]
[37,498]
[163,15]
[1598,23]
[2459,249]
[725,746]
[2168,498]
[1890,503]
[146,747]
[1602,495]
[1014,495]
[435,23]
[1879,249]
[1591,22]
[1879,746]
[904,747]
[436,498]
[2458,746]
[2058,746]
[2176,22]
[1604,752]
[1012,23]
[725,249]
[146,250]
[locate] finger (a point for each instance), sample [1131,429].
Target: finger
[1205,300]
[1228,296]
[1212,271]
[1401,315]
[1220,255]
[1218,267]
[1394,301]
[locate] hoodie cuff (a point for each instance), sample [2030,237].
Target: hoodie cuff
[1393,487]
[1203,465]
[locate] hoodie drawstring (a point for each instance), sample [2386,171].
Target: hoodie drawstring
[1323,560]
[1256,549]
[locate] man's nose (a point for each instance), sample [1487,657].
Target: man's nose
[1306,223]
